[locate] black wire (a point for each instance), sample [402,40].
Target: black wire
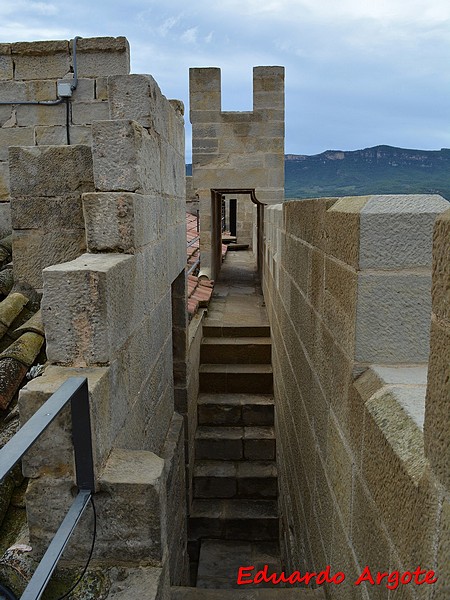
[6,593]
[90,554]
[68,120]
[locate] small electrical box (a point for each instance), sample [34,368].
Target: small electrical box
[64,89]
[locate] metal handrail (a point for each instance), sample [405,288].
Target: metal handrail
[75,391]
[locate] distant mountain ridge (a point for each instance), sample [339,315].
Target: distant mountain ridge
[378,170]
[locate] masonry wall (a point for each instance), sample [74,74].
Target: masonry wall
[347,284]
[236,150]
[115,315]
[29,71]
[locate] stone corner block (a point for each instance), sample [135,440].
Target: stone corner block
[134,496]
[138,97]
[53,452]
[84,308]
[103,56]
[126,157]
[396,231]
[393,317]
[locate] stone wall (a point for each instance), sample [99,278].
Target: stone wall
[347,285]
[115,314]
[236,150]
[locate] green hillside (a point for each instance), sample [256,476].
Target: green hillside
[377,170]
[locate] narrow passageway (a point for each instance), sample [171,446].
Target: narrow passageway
[234,516]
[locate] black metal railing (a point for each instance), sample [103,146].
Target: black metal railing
[75,391]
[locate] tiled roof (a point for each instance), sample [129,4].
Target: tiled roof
[199,291]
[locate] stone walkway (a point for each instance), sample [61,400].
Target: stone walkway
[237,298]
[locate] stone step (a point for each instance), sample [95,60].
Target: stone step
[236,331]
[235,443]
[185,593]
[219,562]
[240,379]
[244,350]
[235,409]
[235,479]
[234,519]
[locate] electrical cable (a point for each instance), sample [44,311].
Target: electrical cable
[68,121]
[32,102]
[89,557]
[6,593]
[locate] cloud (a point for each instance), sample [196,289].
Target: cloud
[190,35]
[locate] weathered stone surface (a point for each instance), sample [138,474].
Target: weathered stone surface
[42,90]
[50,170]
[14,136]
[146,105]
[5,219]
[393,317]
[396,231]
[85,113]
[31,115]
[126,157]
[53,453]
[40,60]
[47,213]
[6,64]
[86,320]
[134,500]
[102,56]
[121,221]
[35,249]
[441,267]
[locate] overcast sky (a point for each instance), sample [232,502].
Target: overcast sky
[358,72]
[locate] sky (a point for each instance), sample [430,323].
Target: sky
[358,72]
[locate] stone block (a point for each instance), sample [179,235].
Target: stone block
[443,552]
[305,219]
[145,104]
[7,116]
[437,426]
[4,181]
[134,527]
[396,231]
[50,135]
[53,453]
[51,170]
[120,221]
[102,56]
[339,303]
[85,91]
[59,213]
[393,317]
[40,60]
[11,91]
[6,63]
[85,316]
[5,219]
[101,88]
[441,267]
[173,178]
[126,157]
[393,452]
[342,236]
[85,113]
[31,115]
[14,136]
[35,249]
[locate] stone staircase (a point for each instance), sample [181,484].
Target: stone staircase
[235,476]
